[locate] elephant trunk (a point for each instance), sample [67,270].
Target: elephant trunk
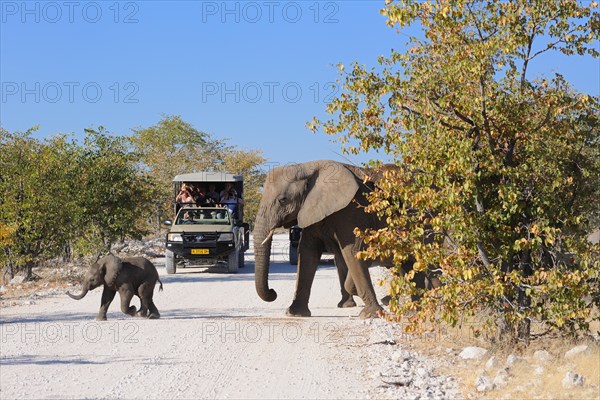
[262,254]
[79,296]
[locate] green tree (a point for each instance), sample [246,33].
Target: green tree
[37,203]
[113,195]
[500,169]
[173,147]
[248,164]
[169,148]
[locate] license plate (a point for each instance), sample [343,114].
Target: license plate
[200,251]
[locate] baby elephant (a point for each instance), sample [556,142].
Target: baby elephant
[129,276]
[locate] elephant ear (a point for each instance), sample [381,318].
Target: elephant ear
[331,188]
[113,266]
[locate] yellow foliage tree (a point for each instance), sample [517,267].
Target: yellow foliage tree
[500,170]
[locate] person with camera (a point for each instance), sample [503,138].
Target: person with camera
[230,199]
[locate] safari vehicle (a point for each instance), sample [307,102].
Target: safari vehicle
[207,236]
[295,235]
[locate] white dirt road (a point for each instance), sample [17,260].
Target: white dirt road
[216,339]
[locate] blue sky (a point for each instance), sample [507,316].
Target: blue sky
[251,71]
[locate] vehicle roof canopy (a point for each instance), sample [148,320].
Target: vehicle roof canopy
[208,176]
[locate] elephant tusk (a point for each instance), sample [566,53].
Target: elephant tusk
[269,236]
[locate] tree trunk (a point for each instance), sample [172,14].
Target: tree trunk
[524,301]
[68,255]
[158,226]
[524,326]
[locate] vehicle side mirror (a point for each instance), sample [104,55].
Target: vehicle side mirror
[167,222]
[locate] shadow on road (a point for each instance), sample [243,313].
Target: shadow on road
[277,271]
[248,315]
[55,317]
[26,359]
[197,313]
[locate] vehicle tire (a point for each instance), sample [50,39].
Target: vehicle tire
[241,259]
[293,255]
[233,262]
[170,262]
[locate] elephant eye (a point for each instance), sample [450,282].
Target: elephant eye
[283,200]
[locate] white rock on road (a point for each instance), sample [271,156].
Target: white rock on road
[215,339]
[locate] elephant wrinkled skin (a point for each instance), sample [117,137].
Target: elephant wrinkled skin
[326,199]
[129,276]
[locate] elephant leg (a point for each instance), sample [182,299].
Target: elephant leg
[343,275]
[107,297]
[432,281]
[146,292]
[351,289]
[359,270]
[385,300]
[126,292]
[419,278]
[310,250]
[143,311]
[154,314]
[349,284]
[143,295]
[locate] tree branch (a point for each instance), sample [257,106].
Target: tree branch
[455,127]
[510,151]
[461,116]
[526,61]
[550,46]
[486,121]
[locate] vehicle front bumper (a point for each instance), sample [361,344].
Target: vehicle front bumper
[201,251]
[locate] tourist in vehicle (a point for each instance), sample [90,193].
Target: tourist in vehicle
[185,196]
[230,199]
[228,191]
[202,199]
[213,194]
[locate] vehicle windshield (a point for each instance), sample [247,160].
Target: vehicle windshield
[207,216]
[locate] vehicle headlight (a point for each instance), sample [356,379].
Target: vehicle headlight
[174,237]
[225,237]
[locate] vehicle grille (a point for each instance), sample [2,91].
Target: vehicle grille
[200,237]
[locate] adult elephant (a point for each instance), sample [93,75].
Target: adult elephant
[325,198]
[129,276]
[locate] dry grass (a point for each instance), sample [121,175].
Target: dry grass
[523,382]
[47,278]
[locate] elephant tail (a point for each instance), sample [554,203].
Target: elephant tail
[160,288]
